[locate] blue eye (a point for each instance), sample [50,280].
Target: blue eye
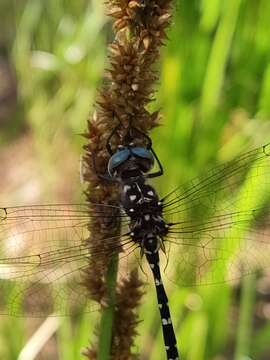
[118,158]
[142,153]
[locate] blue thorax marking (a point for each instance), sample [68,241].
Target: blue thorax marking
[119,157]
[142,153]
[125,153]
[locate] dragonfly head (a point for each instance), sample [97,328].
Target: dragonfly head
[130,162]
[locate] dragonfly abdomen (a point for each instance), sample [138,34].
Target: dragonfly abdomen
[148,227]
[166,321]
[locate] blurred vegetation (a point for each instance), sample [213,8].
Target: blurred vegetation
[214,92]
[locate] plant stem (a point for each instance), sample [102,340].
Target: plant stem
[107,315]
[245,319]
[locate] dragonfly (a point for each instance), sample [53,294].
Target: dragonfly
[214,229]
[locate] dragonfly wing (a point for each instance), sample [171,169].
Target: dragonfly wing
[44,251]
[219,187]
[221,221]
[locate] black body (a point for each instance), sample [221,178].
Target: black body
[147,227]
[129,166]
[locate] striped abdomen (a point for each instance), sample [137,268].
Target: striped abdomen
[167,326]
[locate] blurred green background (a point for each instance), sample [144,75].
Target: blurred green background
[214,92]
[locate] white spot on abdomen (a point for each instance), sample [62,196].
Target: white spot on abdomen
[126,188]
[132,197]
[158,282]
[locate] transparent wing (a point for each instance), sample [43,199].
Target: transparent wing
[221,222]
[220,230]
[44,251]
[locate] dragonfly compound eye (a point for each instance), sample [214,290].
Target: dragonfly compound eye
[118,158]
[145,157]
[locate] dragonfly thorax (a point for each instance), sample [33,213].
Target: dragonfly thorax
[142,205]
[146,228]
[139,199]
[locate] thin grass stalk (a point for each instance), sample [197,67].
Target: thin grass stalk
[218,58]
[242,349]
[107,316]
